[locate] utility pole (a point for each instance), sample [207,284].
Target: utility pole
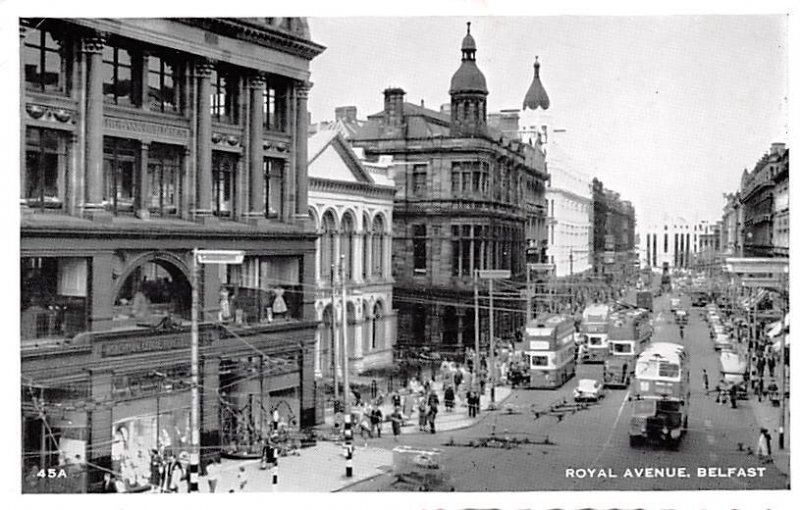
[528,311]
[348,418]
[194,458]
[782,428]
[491,339]
[334,340]
[476,361]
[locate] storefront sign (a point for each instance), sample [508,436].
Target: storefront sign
[124,347]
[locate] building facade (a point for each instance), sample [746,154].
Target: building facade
[732,224]
[466,198]
[142,140]
[614,235]
[677,243]
[568,194]
[350,203]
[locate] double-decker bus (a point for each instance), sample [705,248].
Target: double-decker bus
[660,395]
[549,351]
[594,330]
[628,332]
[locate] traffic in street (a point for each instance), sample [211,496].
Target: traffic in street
[587,448]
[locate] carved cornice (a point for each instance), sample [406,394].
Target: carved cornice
[93,43]
[257,34]
[203,68]
[303,88]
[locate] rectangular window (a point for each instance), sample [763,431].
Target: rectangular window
[273,186]
[224,96]
[162,84]
[44,62]
[53,296]
[455,180]
[665,242]
[476,247]
[455,245]
[223,173]
[275,95]
[418,180]
[119,173]
[164,176]
[466,250]
[117,76]
[45,156]
[420,251]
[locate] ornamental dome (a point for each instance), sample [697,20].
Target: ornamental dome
[468,78]
[536,96]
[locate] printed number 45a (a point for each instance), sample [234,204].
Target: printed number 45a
[51,473]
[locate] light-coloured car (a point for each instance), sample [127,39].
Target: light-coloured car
[722,342]
[588,390]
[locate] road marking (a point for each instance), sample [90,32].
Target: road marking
[613,428]
[710,439]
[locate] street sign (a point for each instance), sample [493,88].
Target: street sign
[541,267]
[493,274]
[220,256]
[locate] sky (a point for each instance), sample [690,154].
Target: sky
[668,110]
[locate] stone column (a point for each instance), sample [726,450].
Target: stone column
[92,47]
[23,32]
[143,195]
[256,145]
[203,165]
[301,158]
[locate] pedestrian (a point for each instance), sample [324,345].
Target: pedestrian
[109,483]
[760,388]
[771,366]
[241,478]
[212,475]
[433,409]
[396,401]
[365,427]
[733,395]
[397,422]
[422,407]
[762,448]
[449,399]
[173,472]
[705,380]
[376,420]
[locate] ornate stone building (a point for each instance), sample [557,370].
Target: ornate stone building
[142,139]
[350,202]
[466,198]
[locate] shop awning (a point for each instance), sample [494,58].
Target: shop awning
[776,327]
[776,347]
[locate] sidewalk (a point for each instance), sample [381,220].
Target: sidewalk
[769,416]
[317,469]
[445,421]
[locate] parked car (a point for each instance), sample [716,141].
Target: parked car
[588,390]
[722,342]
[674,304]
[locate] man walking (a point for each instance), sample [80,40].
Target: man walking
[397,422]
[705,380]
[212,472]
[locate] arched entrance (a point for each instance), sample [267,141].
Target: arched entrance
[153,289]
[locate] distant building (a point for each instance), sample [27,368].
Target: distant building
[350,203]
[614,234]
[568,193]
[676,242]
[466,198]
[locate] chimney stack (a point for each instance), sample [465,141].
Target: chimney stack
[346,113]
[777,148]
[393,98]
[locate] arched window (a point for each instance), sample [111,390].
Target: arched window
[327,245]
[367,337]
[378,327]
[365,247]
[156,288]
[348,236]
[378,235]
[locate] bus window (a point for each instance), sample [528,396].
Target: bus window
[622,348]
[644,407]
[668,370]
[595,340]
[669,406]
[538,361]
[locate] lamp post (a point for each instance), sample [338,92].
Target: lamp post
[201,257]
[491,275]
